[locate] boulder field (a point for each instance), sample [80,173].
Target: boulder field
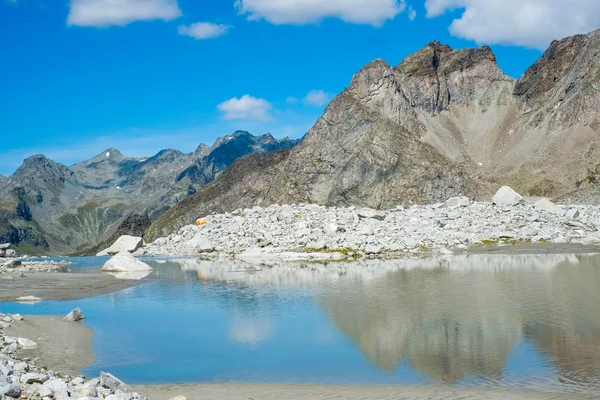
[347,232]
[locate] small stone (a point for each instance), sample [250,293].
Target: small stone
[372,249]
[572,213]
[456,202]
[74,316]
[10,390]
[55,387]
[479,238]
[27,344]
[178,398]
[113,383]
[33,378]
[367,213]
[316,245]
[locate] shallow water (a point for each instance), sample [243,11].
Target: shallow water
[523,321]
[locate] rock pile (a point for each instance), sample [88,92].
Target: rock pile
[25,380]
[9,266]
[339,232]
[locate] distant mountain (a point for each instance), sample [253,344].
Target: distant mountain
[443,122]
[46,206]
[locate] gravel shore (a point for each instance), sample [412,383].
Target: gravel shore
[31,360]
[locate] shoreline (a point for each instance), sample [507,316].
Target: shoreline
[273,391]
[60,286]
[66,347]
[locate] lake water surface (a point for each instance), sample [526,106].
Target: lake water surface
[523,321]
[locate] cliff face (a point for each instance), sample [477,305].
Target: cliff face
[443,122]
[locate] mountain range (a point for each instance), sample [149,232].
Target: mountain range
[49,207]
[442,123]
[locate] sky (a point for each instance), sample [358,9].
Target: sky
[80,76]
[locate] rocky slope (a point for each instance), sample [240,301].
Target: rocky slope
[443,122]
[48,207]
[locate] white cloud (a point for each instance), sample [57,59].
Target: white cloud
[103,13]
[412,13]
[317,98]
[246,107]
[203,30]
[371,12]
[529,23]
[292,100]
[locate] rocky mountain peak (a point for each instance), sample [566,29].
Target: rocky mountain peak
[437,76]
[371,73]
[426,61]
[546,77]
[40,164]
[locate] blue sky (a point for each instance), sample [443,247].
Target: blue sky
[81,76]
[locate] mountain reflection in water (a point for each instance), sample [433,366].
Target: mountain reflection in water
[518,321]
[450,319]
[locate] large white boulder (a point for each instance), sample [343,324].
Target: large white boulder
[124,243]
[125,262]
[199,244]
[545,205]
[505,196]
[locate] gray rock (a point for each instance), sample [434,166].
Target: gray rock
[372,249]
[545,205]
[27,344]
[572,213]
[55,387]
[33,378]
[199,244]
[4,246]
[74,316]
[10,390]
[505,196]
[113,383]
[10,253]
[120,396]
[366,213]
[461,201]
[316,245]
[89,389]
